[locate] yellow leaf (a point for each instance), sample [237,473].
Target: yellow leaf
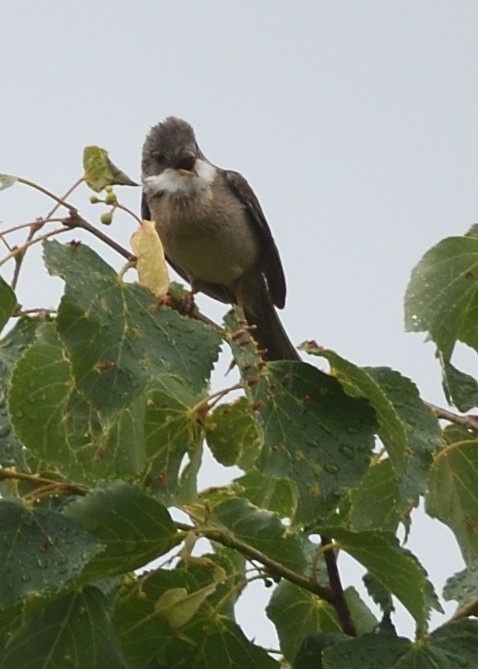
[151,263]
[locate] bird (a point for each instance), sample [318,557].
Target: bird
[214,232]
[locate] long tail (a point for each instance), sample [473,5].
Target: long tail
[269,332]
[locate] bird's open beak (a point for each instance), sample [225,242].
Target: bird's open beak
[185,162]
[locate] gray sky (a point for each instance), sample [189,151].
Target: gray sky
[356,123]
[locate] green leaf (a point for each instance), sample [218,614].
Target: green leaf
[57,425]
[233,435]
[442,298]
[297,614]
[315,435]
[311,650]
[379,593]
[379,483]
[395,567]
[451,646]
[463,586]
[11,347]
[7,180]
[41,552]
[133,528]
[407,428]
[145,631]
[262,530]
[207,639]
[363,618]
[452,493]
[171,431]
[40,387]
[73,631]
[119,340]
[277,495]
[8,302]
[367,651]
[100,171]
[460,389]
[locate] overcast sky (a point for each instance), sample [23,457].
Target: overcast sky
[356,123]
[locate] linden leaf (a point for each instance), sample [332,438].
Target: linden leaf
[151,262]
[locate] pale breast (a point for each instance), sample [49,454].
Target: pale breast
[208,234]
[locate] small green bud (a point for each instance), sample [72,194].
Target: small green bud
[108,189]
[94,199]
[106,218]
[111,198]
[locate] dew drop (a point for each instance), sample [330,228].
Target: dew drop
[4,430]
[347,451]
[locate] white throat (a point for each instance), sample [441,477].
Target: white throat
[181,182]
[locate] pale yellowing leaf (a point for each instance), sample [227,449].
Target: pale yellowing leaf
[151,263]
[178,607]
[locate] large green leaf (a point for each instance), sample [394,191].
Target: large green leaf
[41,552]
[111,390]
[452,494]
[73,631]
[406,426]
[442,296]
[133,528]
[315,435]
[59,427]
[118,339]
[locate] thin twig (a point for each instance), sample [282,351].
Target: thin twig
[129,211]
[21,249]
[45,191]
[63,199]
[76,221]
[10,473]
[470,422]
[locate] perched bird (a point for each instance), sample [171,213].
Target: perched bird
[214,232]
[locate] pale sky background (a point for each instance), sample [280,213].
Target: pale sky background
[355,122]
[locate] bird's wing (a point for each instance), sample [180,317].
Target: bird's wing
[271,263]
[213,290]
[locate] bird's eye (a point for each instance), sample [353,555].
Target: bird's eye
[159,157]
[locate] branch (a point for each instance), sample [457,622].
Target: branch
[470,422]
[339,601]
[10,473]
[275,568]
